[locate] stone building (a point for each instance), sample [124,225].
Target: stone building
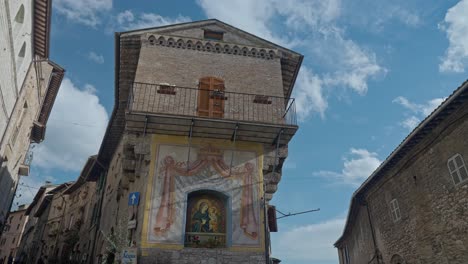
[29,236]
[75,239]
[414,208]
[195,144]
[11,237]
[43,226]
[60,226]
[29,83]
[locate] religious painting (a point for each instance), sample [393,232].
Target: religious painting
[179,213]
[206,220]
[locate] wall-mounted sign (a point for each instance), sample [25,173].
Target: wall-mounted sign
[133,198]
[131,224]
[129,256]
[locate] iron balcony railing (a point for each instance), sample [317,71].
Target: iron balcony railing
[184,101]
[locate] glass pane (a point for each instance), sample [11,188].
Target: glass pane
[456,180]
[451,165]
[458,160]
[463,174]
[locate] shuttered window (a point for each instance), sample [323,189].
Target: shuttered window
[213,35]
[211,97]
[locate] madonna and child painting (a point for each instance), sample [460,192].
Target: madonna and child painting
[207,215]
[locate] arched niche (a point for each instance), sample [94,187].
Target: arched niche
[206,219]
[397,259]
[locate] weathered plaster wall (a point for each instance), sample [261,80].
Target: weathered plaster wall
[16,139]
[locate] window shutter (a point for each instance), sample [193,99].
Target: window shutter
[272,221]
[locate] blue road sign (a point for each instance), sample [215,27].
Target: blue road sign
[134,198]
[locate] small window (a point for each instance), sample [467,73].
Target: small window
[13,241]
[396,214]
[213,35]
[19,18]
[22,51]
[457,169]
[17,227]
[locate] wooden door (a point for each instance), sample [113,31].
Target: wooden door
[211,97]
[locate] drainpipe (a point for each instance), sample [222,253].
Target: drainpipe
[376,248]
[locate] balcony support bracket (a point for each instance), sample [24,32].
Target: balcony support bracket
[190,143]
[233,139]
[278,139]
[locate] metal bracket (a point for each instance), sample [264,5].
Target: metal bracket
[146,123]
[278,139]
[190,143]
[233,139]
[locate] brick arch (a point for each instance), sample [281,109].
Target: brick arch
[180,44]
[161,41]
[152,40]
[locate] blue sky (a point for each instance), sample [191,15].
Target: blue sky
[372,71]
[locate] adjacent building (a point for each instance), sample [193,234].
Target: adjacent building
[32,234]
[13,231]
[414,207]
[60,227]
[29,83]
[195,145]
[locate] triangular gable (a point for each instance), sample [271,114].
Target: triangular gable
[290,61]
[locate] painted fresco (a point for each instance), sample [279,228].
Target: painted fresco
[208,168]
[206,214]
[206,221]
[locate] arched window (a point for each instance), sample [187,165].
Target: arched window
[211,97]
[206,219]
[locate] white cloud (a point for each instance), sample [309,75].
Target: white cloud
[410,122]
[128,21]
[377,15]
[97,58]
[310,25]
[309,94]
[455,26]
[74,130]
[417,112]
[87,12]
[309,244]
[357,167]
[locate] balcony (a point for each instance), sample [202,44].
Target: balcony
[175,110]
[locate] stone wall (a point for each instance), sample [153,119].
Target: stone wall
[433,227]
[200,256]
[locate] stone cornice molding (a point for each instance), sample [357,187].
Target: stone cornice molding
[209,46]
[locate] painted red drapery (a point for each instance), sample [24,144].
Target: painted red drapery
[170,168]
